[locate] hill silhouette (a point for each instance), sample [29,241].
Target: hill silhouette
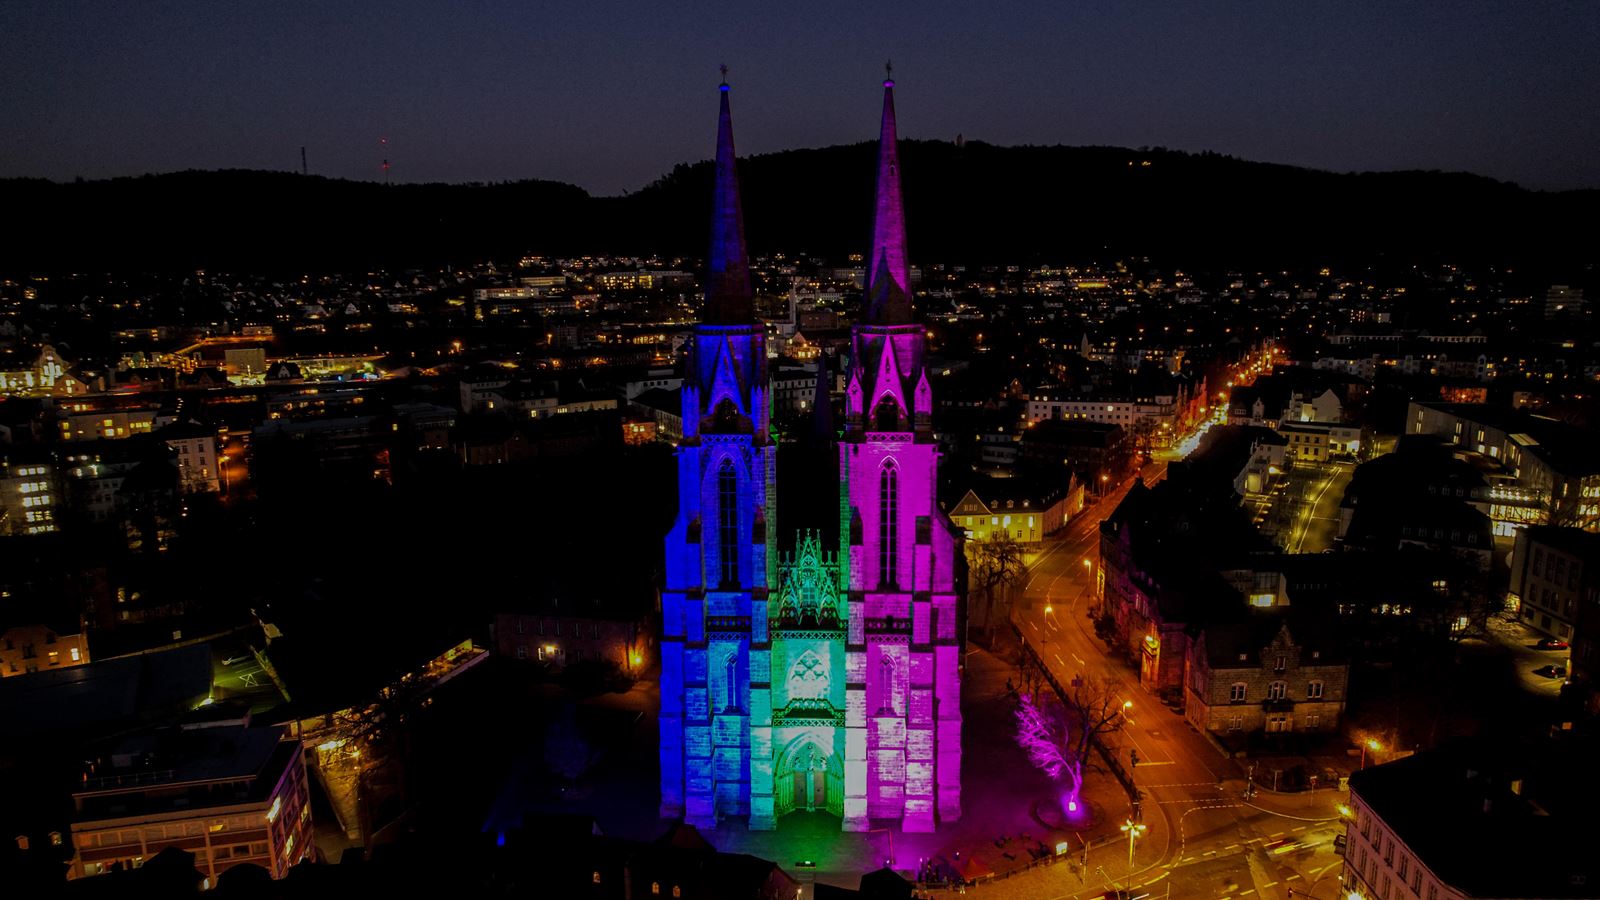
[972,204]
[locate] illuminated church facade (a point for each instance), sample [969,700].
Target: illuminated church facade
[817,670]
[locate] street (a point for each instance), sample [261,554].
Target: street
[1205,838]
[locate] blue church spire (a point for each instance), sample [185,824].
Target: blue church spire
[728,292]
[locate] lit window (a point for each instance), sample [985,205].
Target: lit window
[889,524]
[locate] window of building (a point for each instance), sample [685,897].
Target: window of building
[728,523]
[596,877]
[1279,664]
[677,891]
[888,524]
[655,887]
[1405,866]
[1236,693]
[1314,691]
[1277,690]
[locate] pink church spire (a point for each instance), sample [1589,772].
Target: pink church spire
[728,292]
[888,274]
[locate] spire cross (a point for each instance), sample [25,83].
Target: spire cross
[888,71]
[724,69]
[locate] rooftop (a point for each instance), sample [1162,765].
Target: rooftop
[1457,806]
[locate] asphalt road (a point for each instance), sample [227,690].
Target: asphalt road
[1317,526]
[1206,839]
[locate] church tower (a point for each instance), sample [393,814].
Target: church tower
[903,654]
[718,559]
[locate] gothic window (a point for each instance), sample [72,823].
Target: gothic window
[733,682]
[728,523]
[808,679]
[888,524]
[886,666]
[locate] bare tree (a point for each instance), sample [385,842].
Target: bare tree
[1058,741]
[996,566]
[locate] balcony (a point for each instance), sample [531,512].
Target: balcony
[1277,704]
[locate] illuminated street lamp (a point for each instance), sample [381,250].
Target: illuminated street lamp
[1369,744]
[1134,832]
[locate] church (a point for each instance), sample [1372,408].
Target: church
[813,665]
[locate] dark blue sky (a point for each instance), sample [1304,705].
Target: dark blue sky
[610,95]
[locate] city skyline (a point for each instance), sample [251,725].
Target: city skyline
[605,100]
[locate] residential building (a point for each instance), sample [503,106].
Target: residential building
[30,496]
[35,648]
[199,471]
[1088,449]
[1434,826]
[1026,509]
[1256,675]
[1554,572]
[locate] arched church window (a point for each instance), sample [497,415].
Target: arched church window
[808,593]
[728,523]
[888,524]
[733,682]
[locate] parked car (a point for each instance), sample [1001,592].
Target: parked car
[1552,644]
[1551,671]
[1285,845]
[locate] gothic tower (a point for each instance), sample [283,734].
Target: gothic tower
[903,655]
[718,559]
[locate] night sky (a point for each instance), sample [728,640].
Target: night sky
[609,96]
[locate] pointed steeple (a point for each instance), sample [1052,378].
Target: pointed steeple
[728,292]
[888,274]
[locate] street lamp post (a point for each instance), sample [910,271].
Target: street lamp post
[1369,744]
[1133,830]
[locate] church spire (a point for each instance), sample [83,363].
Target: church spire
[888,275]
[728,292]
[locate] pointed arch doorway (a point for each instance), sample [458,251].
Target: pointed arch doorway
[810,778]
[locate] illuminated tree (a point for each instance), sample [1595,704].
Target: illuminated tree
[1059,746]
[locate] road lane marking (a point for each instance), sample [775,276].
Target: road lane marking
[1291,877]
